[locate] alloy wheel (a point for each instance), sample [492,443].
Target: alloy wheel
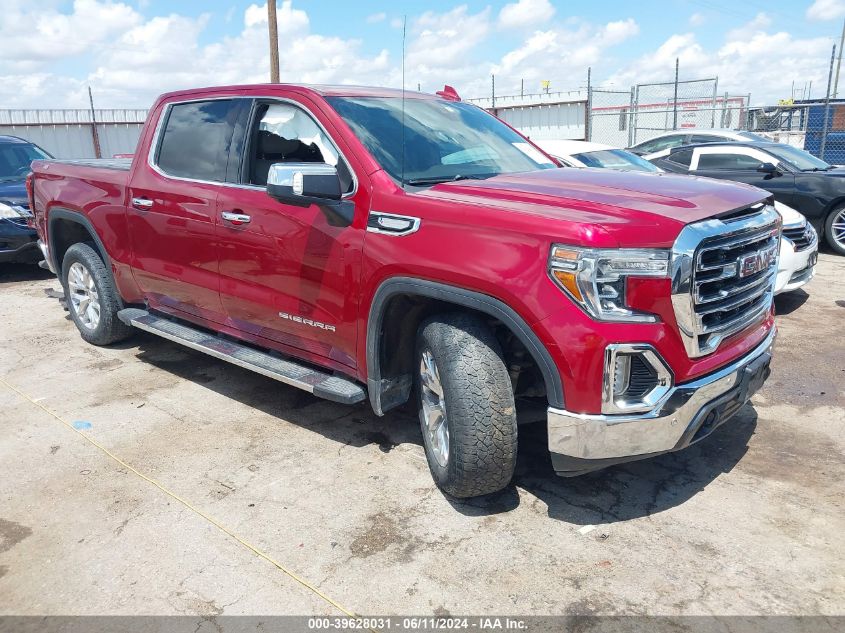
[837,227]
[84,298]
[434,408]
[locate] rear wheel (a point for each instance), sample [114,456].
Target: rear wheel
[834,229]
[467,411]
[92,299]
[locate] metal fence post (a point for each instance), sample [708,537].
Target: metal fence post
[588,115]
[675,100]
[492,92]
[827,104]
[636,110]
[713,110]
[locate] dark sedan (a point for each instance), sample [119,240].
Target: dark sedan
[18,242]
[795,178]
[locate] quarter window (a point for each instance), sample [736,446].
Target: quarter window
[196,139]
[682,157]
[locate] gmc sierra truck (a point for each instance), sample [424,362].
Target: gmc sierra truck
[365,243]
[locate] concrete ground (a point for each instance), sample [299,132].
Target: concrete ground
[149,479]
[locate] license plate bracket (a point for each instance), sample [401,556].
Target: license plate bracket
[755,374]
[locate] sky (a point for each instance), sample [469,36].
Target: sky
[130,51]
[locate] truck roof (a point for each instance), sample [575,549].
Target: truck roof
[322,90]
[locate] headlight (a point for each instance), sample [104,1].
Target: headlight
[11,212]
[596,279]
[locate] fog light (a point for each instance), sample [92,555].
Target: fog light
[635,379]
[621,373]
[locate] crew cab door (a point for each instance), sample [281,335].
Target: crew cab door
[288,276]
[744,164]
[172,207]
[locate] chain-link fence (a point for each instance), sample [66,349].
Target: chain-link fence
[813,126]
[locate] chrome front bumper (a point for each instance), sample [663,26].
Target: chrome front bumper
[687,413]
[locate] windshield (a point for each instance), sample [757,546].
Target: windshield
[798,158]
[15,159]
[616,159]
[443,140]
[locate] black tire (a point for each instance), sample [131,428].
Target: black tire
[109,329]
[479,405]
[837,246]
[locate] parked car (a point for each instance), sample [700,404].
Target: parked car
[659,146]
[798,243]
[357,244]
[18,242]
[799,250]
[795,177]
[588,154]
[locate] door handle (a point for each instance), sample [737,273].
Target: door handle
[143,204]
[236,218]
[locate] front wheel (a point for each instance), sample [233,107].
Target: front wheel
[92,299]
[834,229]
[467,411]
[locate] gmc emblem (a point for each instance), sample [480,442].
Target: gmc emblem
[755,262]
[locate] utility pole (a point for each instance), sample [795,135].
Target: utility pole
[274,41]
[839,61]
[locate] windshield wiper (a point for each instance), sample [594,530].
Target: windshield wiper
[828,168]
[436,180]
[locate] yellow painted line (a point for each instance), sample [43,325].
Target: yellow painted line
[185,503]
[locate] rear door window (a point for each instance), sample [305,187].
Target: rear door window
[728,161]
[197,137]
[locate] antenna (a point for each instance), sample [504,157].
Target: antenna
[404,26]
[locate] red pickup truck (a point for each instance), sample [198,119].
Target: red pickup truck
[364,243]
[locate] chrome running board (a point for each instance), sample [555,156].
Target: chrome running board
[322,385]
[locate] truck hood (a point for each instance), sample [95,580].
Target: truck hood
[624,204]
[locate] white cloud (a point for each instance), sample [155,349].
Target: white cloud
[696,19]
[743,62]
[441,46]
[30,36]
[129,59]
[290,20]
[560,55]
[376,17]
[826,10]
[134,60]
[525,13]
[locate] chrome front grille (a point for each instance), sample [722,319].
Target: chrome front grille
[723,276]
[802,237]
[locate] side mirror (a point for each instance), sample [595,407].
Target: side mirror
[769,168]
[304,184]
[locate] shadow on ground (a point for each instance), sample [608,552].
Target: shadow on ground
[789,302]
[11,273]
[619,493]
